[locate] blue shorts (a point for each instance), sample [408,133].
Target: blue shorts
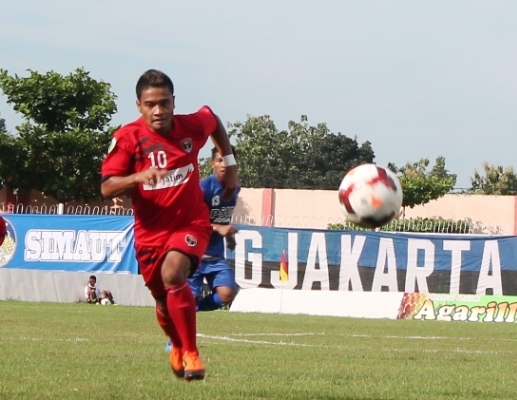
[216,272]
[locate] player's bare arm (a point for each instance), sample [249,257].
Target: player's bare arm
[230,180]
[228,231]
[116,185]
[224,230]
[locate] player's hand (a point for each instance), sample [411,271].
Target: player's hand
[150,176]
[230,242]
[225,230]
[230,182]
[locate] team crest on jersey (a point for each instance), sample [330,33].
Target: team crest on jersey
[190,240]
[216,200]
[187,145]
[9,245]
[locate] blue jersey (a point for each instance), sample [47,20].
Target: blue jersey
[220,212]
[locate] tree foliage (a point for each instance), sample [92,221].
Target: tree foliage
[301,157]
[496,181]
[420,185]
[3,129]
[205,167]
[65,134]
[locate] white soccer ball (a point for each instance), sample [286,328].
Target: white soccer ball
[370,196]
[105,302]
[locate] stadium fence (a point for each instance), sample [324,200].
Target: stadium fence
[304,222]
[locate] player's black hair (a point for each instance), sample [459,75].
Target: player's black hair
[153,78]
[93,277]
[215,151]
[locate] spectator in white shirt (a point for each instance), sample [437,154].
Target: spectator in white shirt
[94,295]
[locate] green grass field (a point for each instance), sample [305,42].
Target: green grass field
[80,351]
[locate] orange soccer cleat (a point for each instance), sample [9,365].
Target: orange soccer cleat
[193,366]
[176,360]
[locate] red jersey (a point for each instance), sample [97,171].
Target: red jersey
[176,201]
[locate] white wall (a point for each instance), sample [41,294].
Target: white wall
[68,287]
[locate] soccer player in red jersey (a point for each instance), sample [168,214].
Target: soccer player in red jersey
[155,158]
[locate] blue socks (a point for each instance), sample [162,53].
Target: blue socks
[210,303]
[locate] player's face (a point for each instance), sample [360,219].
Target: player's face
[157,106]
[218,166]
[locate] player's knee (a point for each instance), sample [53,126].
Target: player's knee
[174,270]
[226,294]
[173,275]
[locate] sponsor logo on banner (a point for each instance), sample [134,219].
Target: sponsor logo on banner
[9,245]
[458,307]
[77,246]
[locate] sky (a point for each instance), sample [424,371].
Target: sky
[415,78]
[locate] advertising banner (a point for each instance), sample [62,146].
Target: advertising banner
[69,243]
[447,307]
[375,261]
[318,260]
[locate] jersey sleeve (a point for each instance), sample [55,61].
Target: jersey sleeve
[119,158]
[205,188]
[208,120]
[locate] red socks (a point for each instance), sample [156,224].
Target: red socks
[168,327]
[182,310]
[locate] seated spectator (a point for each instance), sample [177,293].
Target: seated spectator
[94,295]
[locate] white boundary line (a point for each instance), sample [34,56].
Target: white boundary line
[355,335]
[402,350]
[35,339]
[277,334]
[281,343]
[428,337]
[234,338]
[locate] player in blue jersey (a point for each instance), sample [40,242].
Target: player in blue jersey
[214,267]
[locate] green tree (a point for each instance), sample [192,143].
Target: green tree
[205,167]
[319,158]
[496,181]
[261,151]
[302,157]
[3,129]
[65,134]
[420,185]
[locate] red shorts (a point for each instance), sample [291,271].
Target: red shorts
[191,241]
